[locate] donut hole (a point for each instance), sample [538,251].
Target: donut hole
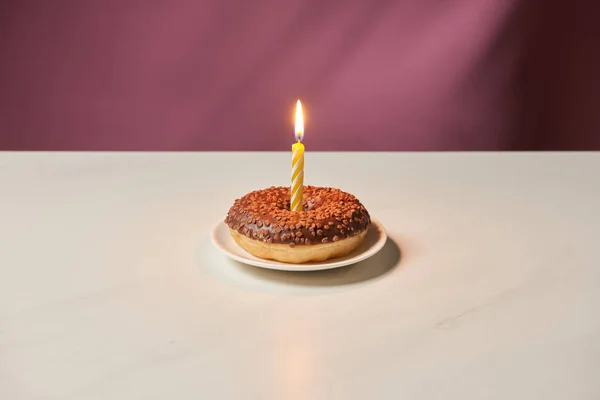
[311,204]
[308,204]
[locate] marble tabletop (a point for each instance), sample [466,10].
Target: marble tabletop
[488,287]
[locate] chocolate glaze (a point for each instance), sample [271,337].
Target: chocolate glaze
[328,215]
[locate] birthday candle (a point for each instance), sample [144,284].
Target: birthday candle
[298,162]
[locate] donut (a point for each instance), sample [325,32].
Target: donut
[332,224]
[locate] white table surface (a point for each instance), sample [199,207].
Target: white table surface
[111,289]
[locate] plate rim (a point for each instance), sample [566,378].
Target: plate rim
[276,265]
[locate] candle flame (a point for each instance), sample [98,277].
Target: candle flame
[299,121]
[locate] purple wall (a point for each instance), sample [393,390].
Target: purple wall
[224,75]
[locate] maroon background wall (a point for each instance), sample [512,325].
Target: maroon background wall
[224,74]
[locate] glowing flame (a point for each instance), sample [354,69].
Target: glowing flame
[299,121]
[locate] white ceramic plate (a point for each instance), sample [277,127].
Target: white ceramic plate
[372,243]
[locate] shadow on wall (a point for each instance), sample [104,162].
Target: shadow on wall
[560,88]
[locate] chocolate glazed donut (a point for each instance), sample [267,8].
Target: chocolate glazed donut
[332,224]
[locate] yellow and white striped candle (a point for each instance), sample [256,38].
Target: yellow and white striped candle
[298,162]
